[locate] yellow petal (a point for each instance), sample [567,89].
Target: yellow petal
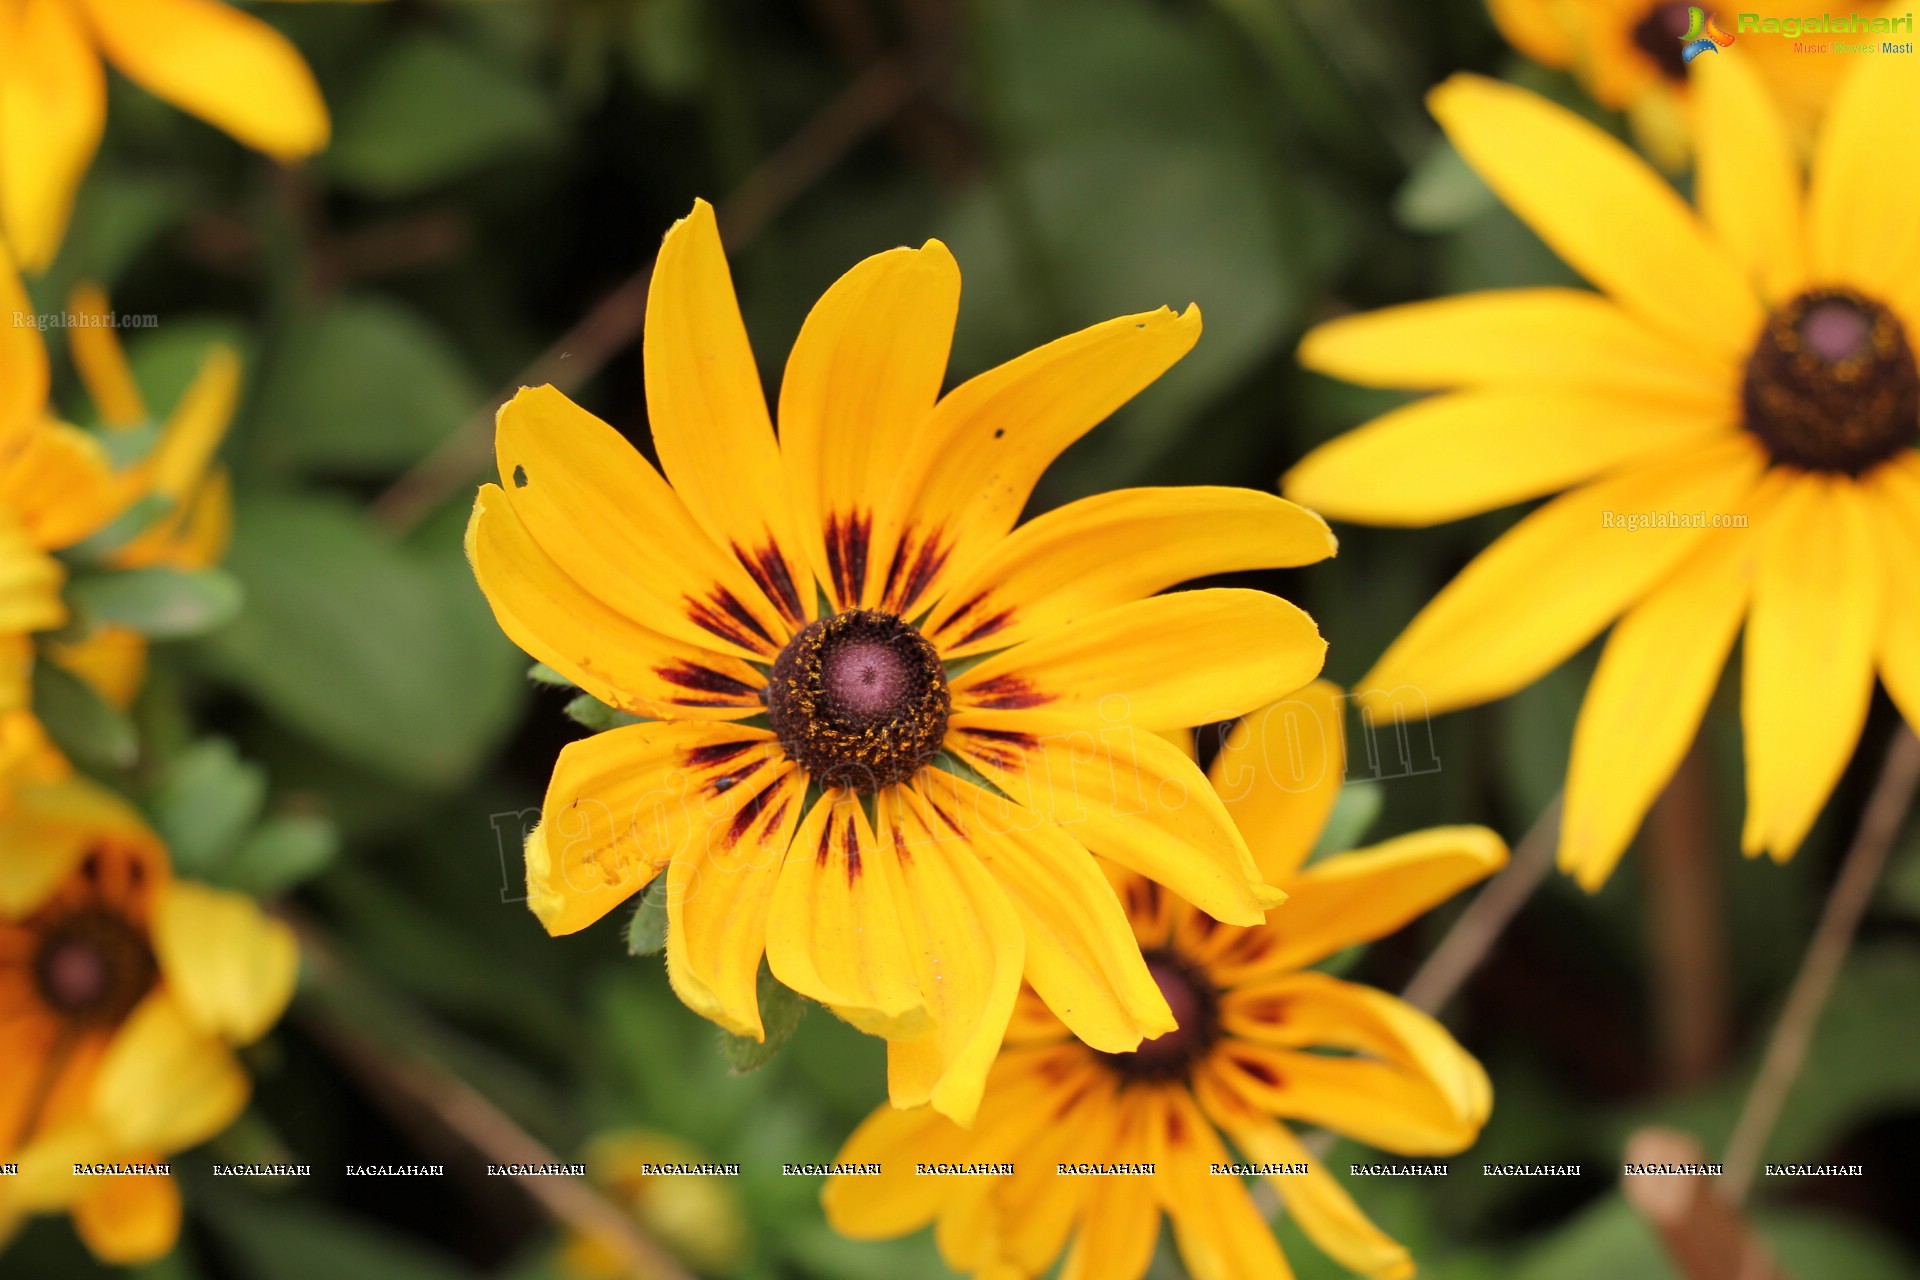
[1166,662]
[1536,28]
[860,382]
[1601,209]
[196,426]
[61,485]
[130,1221]
[1308,1010]
[719,893]
[599,510]
[1130,797]
[1357,897]
[30,583]
[1865,199]
[969,473]
[165,1084]
[968,948]
[1322,1207]
[623,804]
[897,1201]
[1466,452]
[1115,548]
[709,413]
[1220,1233]
[1554,580]
[23,356]
[101,362]
[230,967]
[1656,674]
[1121,1224]
[1279,773]
[49,827]
[1897,487]
[1081,956]
[1808,676]
[213,61]
[1544,338]
[1748,183]
[52,110]
[555,619]
[834,932]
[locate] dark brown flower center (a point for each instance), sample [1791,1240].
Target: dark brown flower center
[860,700]
[1831,384]
[93,967]
[1657,35]
[1196,1008]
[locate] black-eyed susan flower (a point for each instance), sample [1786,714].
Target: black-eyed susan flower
[204,56]
[1630,55]
[122,994]
[1745,380]
[826,631]
[1262,1040]
[61,486]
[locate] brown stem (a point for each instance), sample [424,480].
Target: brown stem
[415,1087]
[1704,1235]
[1686,905]
[1487,916]
[615,321]
[1832,938]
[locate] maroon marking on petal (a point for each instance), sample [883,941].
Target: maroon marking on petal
[1260,1071]
[1006,693]
[848,539]
[727,782]
[912,569]
[769,569]
[1176,1127]
[1271,1010]
[946,819]
[998,622]
[718,753]
[743,820]
[1001,748]
[690,675]
[826,843]
[776,813]
[1065,1107]
[1143,899]
[1206,924]
[853,851]
[900,845]
[723,614]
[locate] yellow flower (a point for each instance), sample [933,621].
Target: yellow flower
[1752,365]
[1627,53]
[823,630]
[697,1217]
[60,486]
[204,56]
[1250,1053]
[122,991]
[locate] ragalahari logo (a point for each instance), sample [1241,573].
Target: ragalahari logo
[1702,34]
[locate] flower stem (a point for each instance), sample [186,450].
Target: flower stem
[1832,939]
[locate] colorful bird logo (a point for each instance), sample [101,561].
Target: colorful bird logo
[1703,33]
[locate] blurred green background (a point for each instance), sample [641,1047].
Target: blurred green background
[498,170]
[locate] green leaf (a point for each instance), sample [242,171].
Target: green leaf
[281,854]
[1442,193]
[541,673]
[276,1242]
[91,730]
[364,387]
[667,46]
[781,1010]
[383,652]
[430,111]
[591,713]
[1354,812]
[647,930]
[208,799]
[161,604]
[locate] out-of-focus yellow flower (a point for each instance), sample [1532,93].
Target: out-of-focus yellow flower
[60,485]
[1261,1040]
[695,1216]
[122,992]
[204,56]
[1628,55]
[1745,384]
[826,631]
